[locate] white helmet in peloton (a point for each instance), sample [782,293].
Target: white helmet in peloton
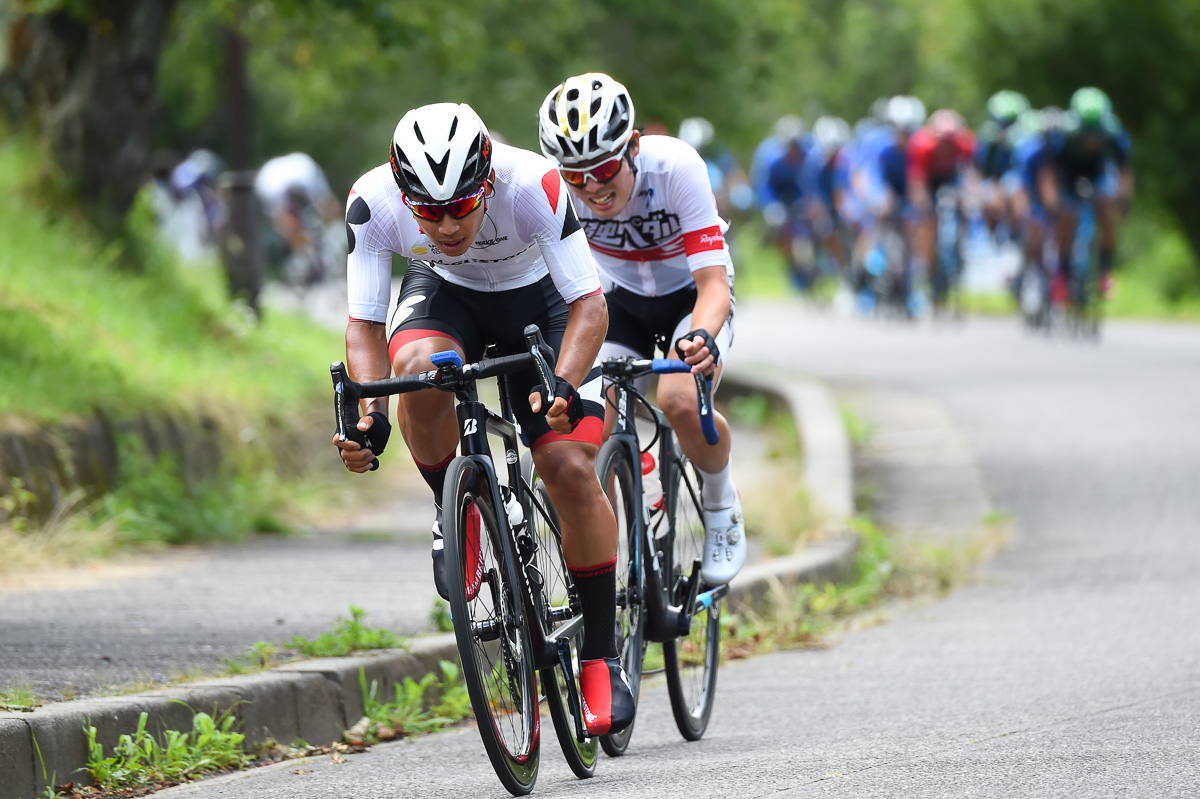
[584,118]
[832,133]
[441,152]
[906,112]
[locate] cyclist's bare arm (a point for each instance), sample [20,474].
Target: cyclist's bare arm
[710,312]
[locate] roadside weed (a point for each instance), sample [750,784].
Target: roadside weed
[439,615]
[349,635]
[417,707]
[19,697]
[141,759]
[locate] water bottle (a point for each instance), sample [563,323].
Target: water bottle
[516,514]
[652,492]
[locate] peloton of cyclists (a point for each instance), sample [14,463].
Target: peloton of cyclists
[493,244]
[652,222]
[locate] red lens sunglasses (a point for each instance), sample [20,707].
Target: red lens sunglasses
[433,212]
[602,172]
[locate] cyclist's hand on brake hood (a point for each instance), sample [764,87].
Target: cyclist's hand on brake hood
[359,455]
[567,411]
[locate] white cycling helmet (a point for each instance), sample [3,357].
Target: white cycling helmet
[906,112]
[832,133]
[440,152]
[696,131]
[790,127]
[584,118]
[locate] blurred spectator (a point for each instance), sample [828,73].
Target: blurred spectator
[303,215]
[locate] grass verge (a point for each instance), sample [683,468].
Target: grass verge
[884,570]
[779,512]
[122,329]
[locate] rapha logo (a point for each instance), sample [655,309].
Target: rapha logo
[709,240]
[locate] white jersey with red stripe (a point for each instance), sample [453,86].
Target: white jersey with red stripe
[530,230]
[667,230]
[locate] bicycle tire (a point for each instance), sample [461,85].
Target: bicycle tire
[557,589]
[496,656]
[691,661]
[615,470]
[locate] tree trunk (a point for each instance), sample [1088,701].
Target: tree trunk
[239,246]
[86,82]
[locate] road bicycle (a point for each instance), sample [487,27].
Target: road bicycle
[515,608]
[946,272]
[1085,306]
[660,596]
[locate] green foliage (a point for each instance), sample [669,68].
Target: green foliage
[153,502]
[114,326]
[142,759]
[349,635]
[417,707]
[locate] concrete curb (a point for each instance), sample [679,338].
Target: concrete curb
[317,699]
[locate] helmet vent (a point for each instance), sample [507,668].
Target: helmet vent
[553,112]
[597,85]
[439,167]
[417,131]
[595,109]
[594,139]
[453,127]
[573,119]
[572,95]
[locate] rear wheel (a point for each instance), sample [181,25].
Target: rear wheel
[493,644]
[692,660]
[558,600]
[615,470]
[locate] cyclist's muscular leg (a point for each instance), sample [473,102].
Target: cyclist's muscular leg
[426,418]
[677,399]
[589,527]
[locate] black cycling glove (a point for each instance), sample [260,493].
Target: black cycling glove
[709,342]
[564,389]
[377,437]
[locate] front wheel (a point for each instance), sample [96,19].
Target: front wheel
[616,473]
[493,643]
[692,660]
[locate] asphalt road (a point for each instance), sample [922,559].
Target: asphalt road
[147,620]
[1071,667]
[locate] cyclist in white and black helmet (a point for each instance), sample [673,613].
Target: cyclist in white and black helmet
[652,222]
[493,245]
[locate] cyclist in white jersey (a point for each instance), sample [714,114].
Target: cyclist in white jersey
[651,219]
[493,245]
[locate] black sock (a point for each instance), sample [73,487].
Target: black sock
[597,586]
[435,476]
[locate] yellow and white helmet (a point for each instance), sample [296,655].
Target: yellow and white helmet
[586,117]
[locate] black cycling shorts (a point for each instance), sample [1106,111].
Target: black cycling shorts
[643,323]
[429,305]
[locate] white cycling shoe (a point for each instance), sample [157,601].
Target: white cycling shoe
[724,544]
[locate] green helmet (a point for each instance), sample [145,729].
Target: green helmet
[1091,107]
[1006,105]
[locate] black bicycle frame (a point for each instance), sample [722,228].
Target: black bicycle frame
[665,621]
[550,647]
